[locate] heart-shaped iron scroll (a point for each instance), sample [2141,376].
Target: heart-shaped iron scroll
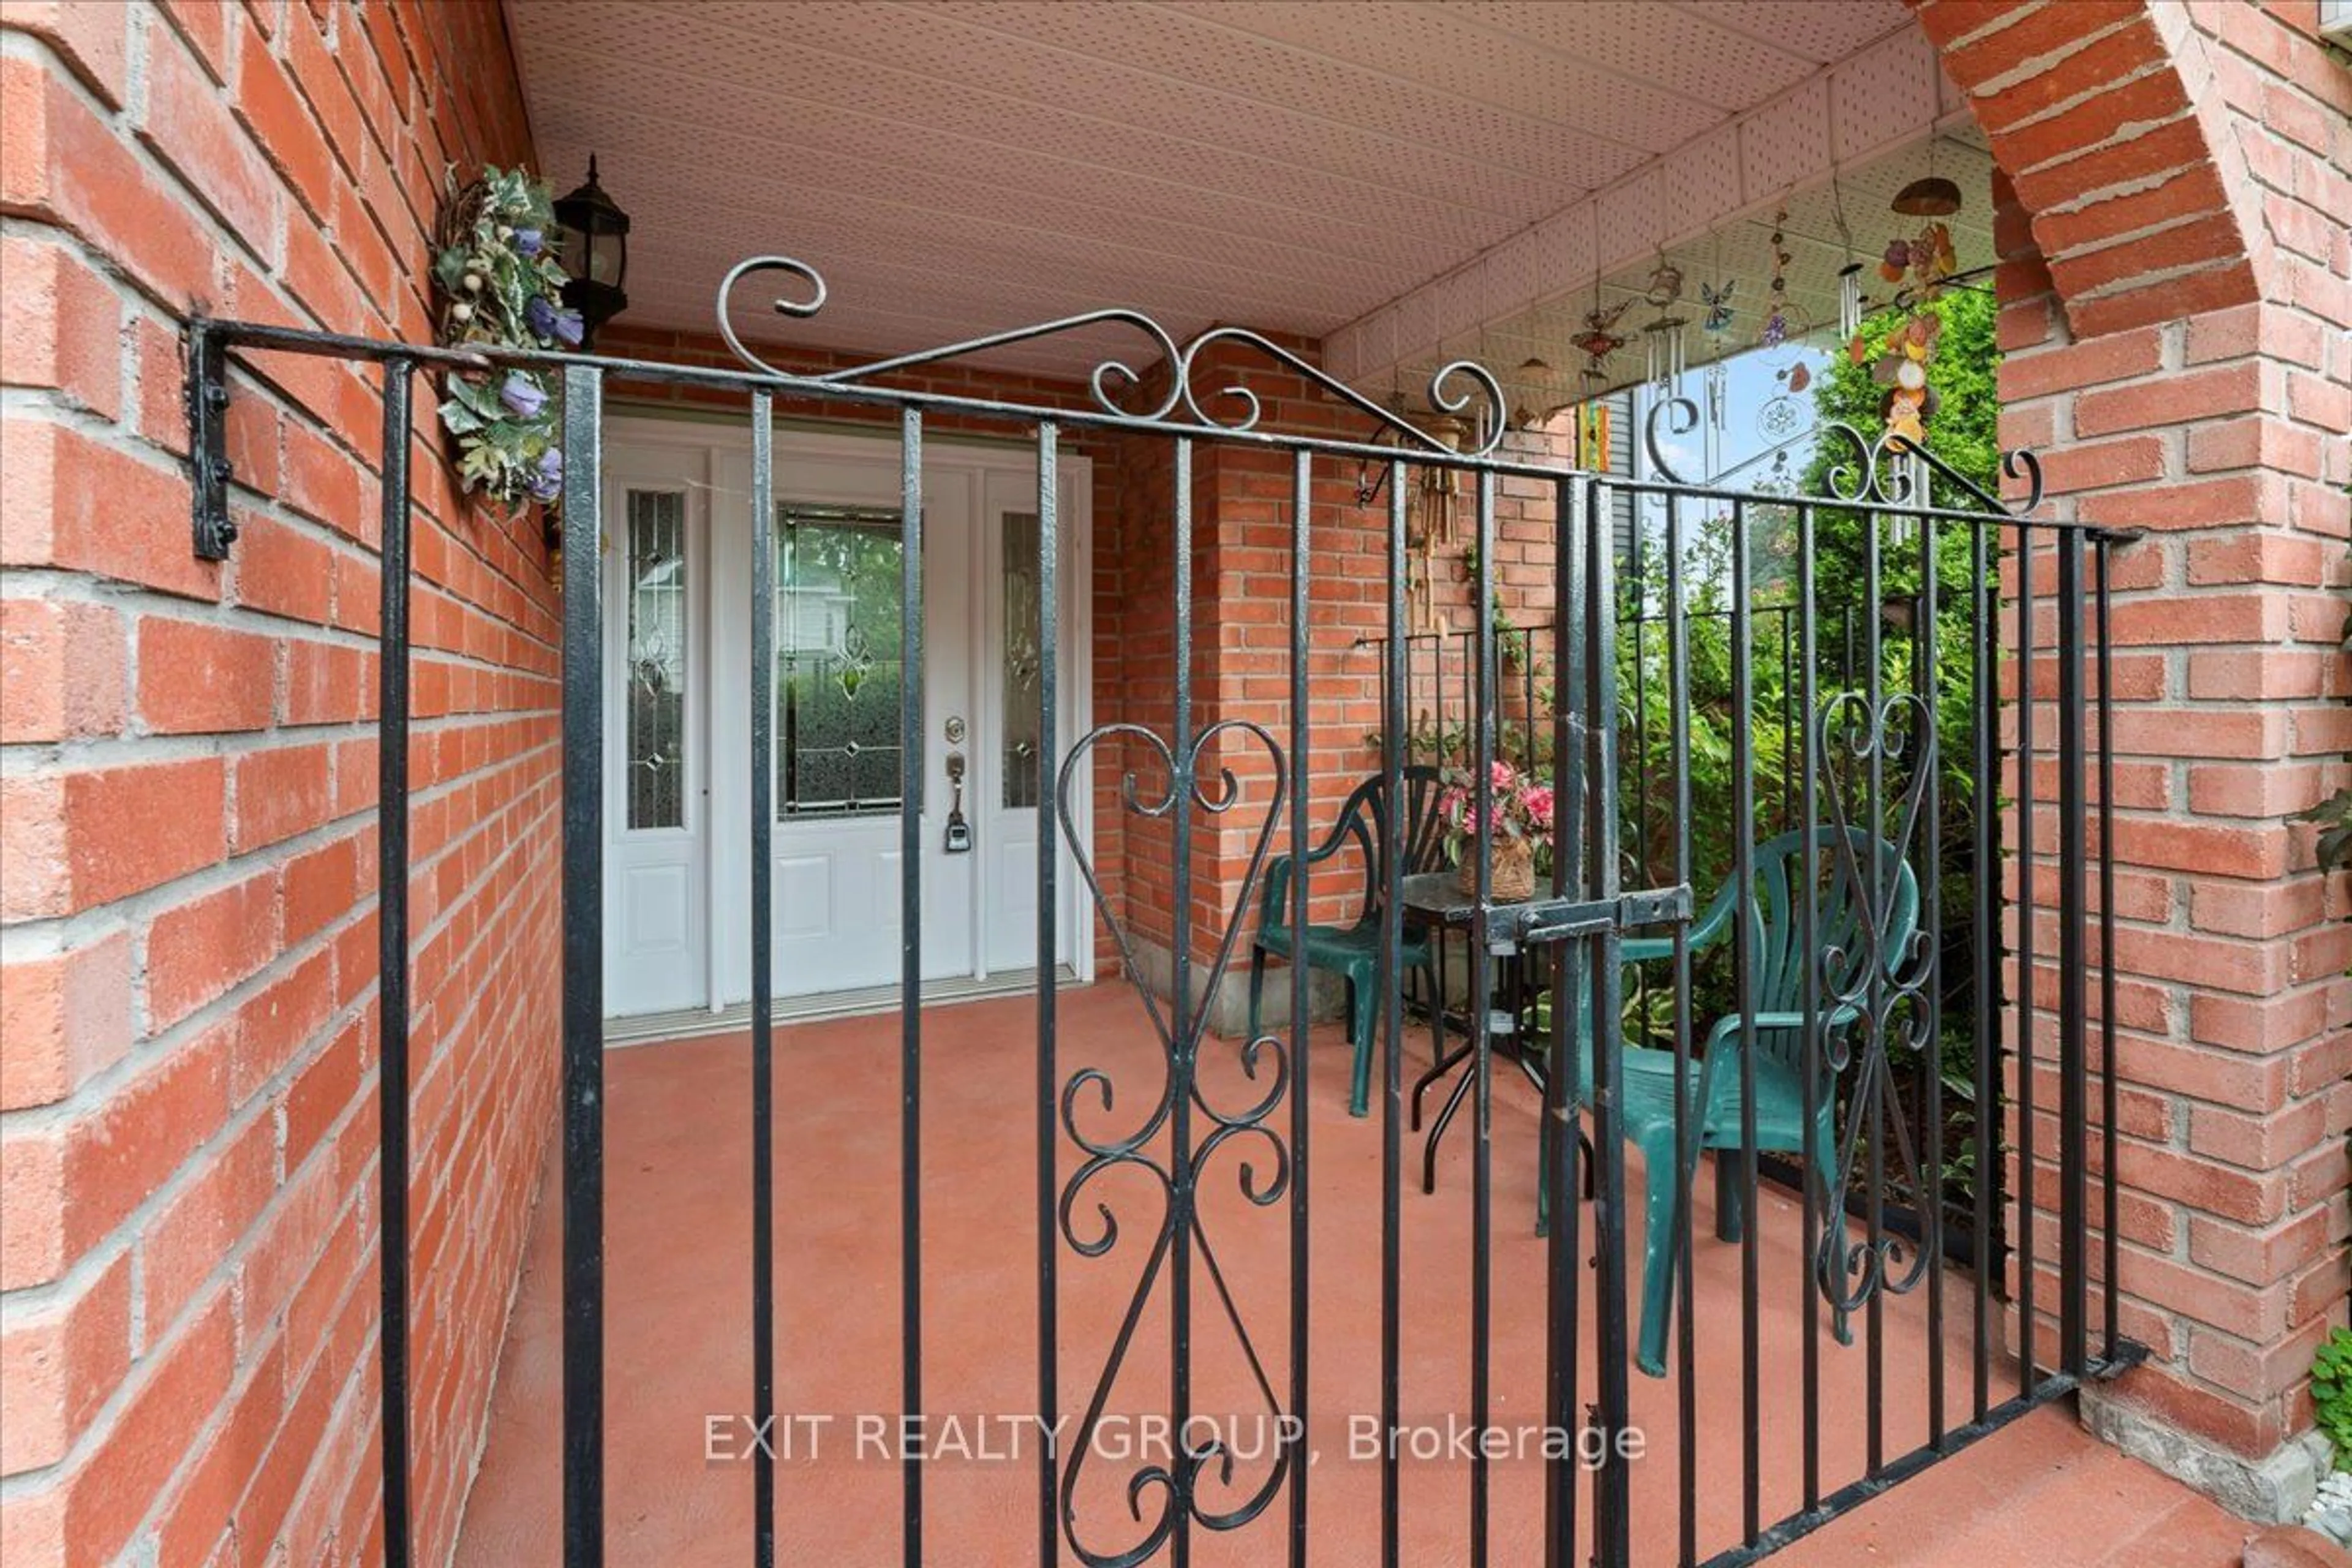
[1161,1146]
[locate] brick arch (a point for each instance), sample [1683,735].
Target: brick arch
[2107,117]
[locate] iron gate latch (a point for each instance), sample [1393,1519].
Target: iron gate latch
[1557,920]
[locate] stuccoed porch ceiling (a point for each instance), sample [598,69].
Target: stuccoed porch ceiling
[1386,177]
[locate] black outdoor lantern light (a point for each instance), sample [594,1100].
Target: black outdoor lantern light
[596,254]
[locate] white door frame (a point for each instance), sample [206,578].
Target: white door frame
[988,468]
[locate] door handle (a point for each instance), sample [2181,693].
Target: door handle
[958,834]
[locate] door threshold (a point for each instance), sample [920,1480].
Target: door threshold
[693,1022]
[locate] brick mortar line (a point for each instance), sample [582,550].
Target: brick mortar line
[263,1100]
[75,585]
[128,292]
[134,915]
[23,760]
[46,406]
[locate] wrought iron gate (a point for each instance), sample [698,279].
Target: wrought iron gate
[1845,927]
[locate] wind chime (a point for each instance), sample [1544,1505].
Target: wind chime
[1918,265]
[1431,524]
[1664,336]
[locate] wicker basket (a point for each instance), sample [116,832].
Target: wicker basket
[1513,873]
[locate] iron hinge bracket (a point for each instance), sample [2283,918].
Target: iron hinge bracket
[1557,920]
[205,395]
[2128,1354]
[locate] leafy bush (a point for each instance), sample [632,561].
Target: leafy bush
[2331,1393]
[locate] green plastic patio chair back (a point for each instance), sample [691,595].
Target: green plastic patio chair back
[1862,885]
[1353,952]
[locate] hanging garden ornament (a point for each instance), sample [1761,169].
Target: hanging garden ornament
[1718,320]
[1925,259]
[1932,197]
[1719,380]
[1536,371]
[1665,284]
[1780,320]
[1601,338]
[1901,369]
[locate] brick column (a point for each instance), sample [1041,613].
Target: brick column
[2175,290]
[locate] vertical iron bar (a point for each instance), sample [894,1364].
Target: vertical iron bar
[1302,480]
[1562,1259]
[911,779]
[1525,643]
[1438,692]
[1613,1500]
[1686,1301]
[1049,642]
[1926,631]
[1986,1134]
[764,1072]
[583,970]
[2106,695]
[1824,1202]
[2025,960]
[2073,1132]
[392,958]
[1746,958]
[1642,734]
[1394,754]
[1482,1199]
[1869,1098]
[1788,717]
[1179,1069]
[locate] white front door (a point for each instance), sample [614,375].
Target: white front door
[838,894]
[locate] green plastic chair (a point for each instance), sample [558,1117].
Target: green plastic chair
[1710,927]
[1778,1046]
[1713,1086]
[1354,951]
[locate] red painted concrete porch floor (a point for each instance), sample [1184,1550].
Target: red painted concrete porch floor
[2040,1492]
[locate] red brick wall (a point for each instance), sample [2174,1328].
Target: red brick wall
[2175,292]
[1242,625]
[188,1215]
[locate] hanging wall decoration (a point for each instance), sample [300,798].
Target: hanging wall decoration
[1593,435]
[496,284]
[1601,338]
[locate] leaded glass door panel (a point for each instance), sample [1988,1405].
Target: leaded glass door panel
[657,927]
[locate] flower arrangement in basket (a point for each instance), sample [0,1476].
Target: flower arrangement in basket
[496,284]
[1521,808]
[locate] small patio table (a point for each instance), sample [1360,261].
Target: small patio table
[1438,898]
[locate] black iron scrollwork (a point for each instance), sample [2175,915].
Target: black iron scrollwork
[1460,387]
[1159,1146]
[1862,470]
[1877,970]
